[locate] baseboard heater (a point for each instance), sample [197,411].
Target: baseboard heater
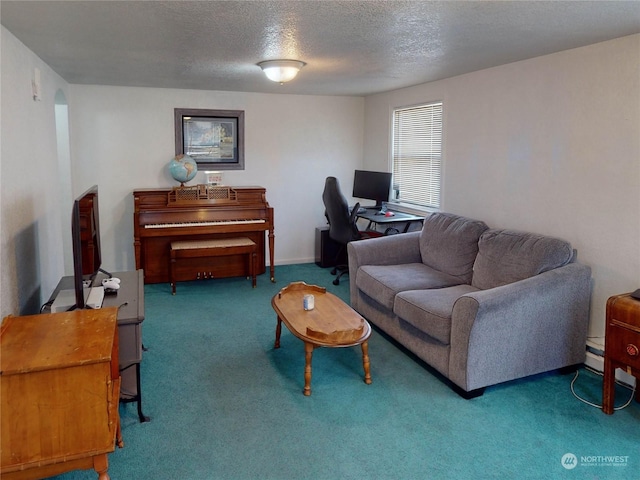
[595,361]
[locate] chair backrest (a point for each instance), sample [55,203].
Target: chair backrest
[342,223]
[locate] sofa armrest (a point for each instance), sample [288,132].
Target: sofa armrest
[523,328]
[387,250]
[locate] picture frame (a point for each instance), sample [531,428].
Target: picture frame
[213,138]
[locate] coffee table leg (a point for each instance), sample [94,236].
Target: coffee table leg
[278,331]
[366,363]
[308,353]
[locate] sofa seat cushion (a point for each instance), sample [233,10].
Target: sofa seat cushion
[383,282]
[449,244]
[430,310]
[507,256]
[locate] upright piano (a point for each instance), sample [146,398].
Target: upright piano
[200,212]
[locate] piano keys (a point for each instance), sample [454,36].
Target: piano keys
[203,224]
[200,213]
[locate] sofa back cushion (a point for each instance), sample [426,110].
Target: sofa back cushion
[506,256]
[449,243]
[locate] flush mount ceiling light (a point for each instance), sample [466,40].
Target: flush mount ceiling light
[281,71]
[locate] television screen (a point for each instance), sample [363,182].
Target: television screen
[372,186]
[85,236]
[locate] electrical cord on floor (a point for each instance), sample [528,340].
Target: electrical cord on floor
[633,390]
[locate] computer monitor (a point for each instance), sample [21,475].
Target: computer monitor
[372,186]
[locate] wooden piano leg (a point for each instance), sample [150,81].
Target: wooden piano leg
[271,254]
[253,264]
[172,270]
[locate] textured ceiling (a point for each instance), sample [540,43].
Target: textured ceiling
[351,47]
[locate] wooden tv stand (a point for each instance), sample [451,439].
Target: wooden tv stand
[60,386]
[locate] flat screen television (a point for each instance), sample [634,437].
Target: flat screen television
[85,238]
[372,186]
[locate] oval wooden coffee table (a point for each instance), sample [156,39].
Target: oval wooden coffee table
[332,323]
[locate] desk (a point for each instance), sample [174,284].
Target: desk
[130,303]
[60,387]
[372,215]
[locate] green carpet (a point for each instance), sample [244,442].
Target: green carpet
[225,405]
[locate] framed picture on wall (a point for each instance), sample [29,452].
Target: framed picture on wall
[213,138]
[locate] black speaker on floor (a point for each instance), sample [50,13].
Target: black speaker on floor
[327,250]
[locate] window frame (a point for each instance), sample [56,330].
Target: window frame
[429,204]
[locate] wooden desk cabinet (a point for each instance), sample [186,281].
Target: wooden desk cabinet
[59,393]
[622,345]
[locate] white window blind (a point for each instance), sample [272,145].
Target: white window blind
[417,155]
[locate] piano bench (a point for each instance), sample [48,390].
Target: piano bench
[213,248]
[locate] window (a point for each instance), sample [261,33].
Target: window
[417,155]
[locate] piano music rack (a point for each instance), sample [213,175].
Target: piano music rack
[201,194]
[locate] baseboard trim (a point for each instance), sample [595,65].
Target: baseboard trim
[596,362]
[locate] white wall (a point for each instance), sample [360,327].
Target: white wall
[123,138]
[549,145]
[32,262]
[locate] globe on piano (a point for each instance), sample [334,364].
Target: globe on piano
[183,168]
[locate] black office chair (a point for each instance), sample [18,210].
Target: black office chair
[342,222]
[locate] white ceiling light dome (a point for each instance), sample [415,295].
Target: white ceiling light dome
[281,71]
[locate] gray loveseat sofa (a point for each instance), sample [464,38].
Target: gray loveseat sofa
[482,306]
